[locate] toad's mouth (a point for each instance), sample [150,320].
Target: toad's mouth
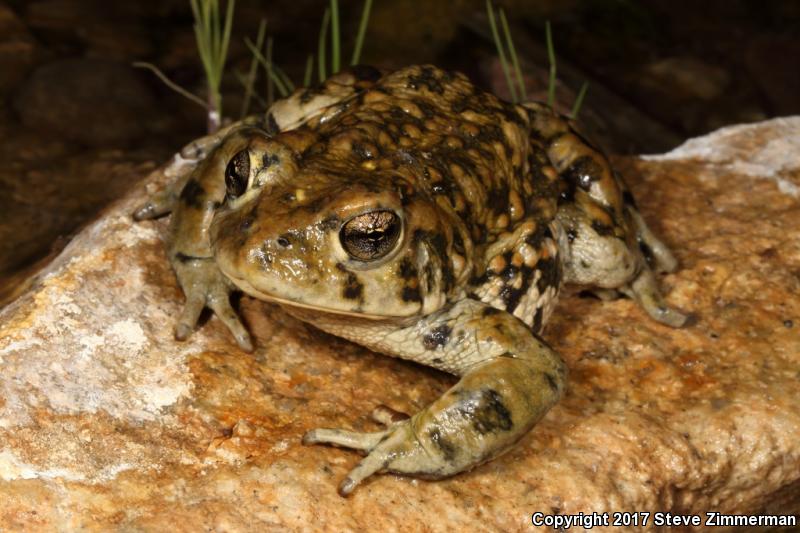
[248,288]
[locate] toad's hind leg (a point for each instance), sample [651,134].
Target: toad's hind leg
[509,380]
[605,238]
[655,251]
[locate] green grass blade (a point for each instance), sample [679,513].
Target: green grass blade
[195,11]
[226,34]
[270,83]
[309,70]
[212,35]
[250,79]
[499,45]
[362,29]
[207,33]
[513,53]
[213,23]
[335,37]
[551,56]
[268,66]
[576,107]
[323,36]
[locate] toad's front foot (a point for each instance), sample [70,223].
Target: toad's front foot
[204,285]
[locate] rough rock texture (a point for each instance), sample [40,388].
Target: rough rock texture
[107,423]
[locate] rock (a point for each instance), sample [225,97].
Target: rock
[116,30]
[691,85]
[17,49]
[92,101]
[687,78]
[107,423]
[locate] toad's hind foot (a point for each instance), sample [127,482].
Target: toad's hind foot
[644,290]
[395,449]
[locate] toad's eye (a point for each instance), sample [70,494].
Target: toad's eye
[370,236]
[237,173]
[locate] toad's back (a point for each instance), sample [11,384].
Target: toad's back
[440,137]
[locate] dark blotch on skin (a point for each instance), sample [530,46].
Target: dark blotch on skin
[458,242]
[269,159]
[427,109]
[192,194]
[461,104]
[306,96]
[436,337]
[538,317]
[571,234]
[582,172]
[361,152]
[353,289]
[489,311]
[551,382]
[448,277]
[330,223]
[567,194]
[444,445]
[488,412]
[602,229]
[510,270]
[551,274]
[272,125]
[411,294]
[536,237]
[427,78]
[627,197]
[407,269]
[498,198]
[512,296]
[646,252]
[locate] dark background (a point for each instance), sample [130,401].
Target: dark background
[79,126]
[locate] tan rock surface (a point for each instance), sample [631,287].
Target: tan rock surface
[106,423]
